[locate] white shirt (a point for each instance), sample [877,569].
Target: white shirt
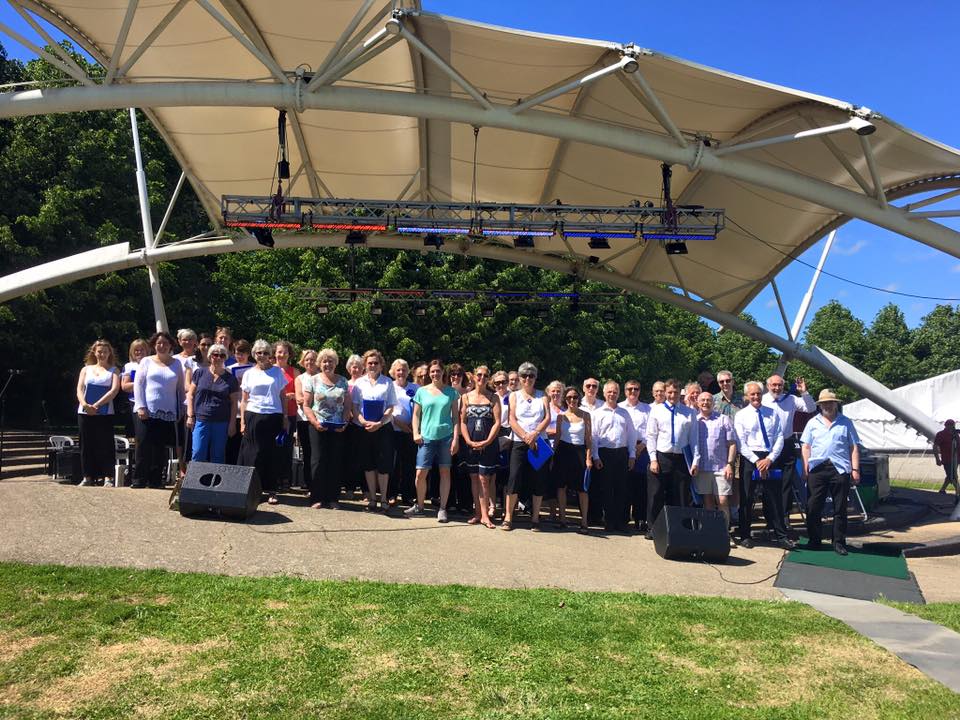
[585,404]
[381,389]
[158,388]
[94,375]
[403,409]
[684,430]
[746,424]
[786,406]
[529,413]
[612,427]
[639,413]
[264,389]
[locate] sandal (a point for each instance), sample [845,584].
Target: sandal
[489,524]
[506,525]
[316,506]
[473,521]
[535,527]
[583,530]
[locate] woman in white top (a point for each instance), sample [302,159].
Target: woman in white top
[263,421]
[159,395]
[139,349]
[572,458]
[98,384]
[529,417]
[374,397]
[555,395]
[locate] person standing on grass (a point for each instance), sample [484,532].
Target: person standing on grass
[436,431]
[159,401]
[328,408]
[831,462]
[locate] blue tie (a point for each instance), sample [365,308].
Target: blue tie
[763,430]
[673,415]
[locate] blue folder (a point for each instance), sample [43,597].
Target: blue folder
[372,410]
[541,455]
[586,480]
[92,393]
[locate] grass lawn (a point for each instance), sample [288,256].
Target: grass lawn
[112,643]
[946,614]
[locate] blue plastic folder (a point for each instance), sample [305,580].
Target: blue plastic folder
[538,458]
[586,480]
[372,410]
[92,393]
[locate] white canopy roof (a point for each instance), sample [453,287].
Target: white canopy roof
[232,150]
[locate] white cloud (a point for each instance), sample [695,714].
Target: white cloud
[851,250]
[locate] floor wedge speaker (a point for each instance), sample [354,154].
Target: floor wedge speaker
[691,533]
[231,491]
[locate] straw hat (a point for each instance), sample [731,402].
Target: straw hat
[826,395]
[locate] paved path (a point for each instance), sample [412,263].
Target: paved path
[931,648]
[43,522]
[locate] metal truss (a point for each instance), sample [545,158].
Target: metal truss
[468,218]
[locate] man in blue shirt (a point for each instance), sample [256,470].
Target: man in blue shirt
[831,462]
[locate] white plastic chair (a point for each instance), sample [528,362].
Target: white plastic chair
[58,442]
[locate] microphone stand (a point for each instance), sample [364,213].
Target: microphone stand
[3,413]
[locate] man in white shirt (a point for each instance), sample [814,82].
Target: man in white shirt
[590,401]
[614,453]
[718,450]
[671,434]
[637,478]
[760,438]
[786,406]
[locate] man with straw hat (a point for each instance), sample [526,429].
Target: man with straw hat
[831,462]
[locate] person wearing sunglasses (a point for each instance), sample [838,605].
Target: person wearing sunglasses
[639,413]
[212,400]
[590,400]
[529,417]
[262,418]
[374,398]
[572,458]
[479,427]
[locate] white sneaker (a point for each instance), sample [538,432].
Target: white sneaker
[442,515]
[108,483]
[86,482]
[414,511]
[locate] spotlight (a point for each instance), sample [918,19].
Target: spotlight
[323,309]
[419,310]
[598,243]
[862,127]
[376,309]
[542,313]
[676,248]
[264,236]
[609,315]
[433,240]
[283,169]
[523,241]
[488,311]
[593,259]
[356,238]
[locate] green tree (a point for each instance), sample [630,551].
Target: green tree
[835,329]
[746,358]
[888,355]
[936,342]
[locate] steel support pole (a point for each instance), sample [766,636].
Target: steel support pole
[808,297]
[148,240]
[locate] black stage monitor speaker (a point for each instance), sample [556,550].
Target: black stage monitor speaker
[231,491]
[691,533]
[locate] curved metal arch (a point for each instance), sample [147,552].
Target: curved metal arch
[119,257]
[385,102]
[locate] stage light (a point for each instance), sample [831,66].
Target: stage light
[376,309]
[418,230]
[504,232]
[862,127]
[523,241]
[264,236]
[598,243]
[542,313]
[433,240]
[609,315]
[348,227]
[355,238]
[677,236]
[676,248]
[419,310]
[606,234]
[323,309]
[267,224]
[489,311]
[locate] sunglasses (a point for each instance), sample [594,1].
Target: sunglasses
[499,382]
[456,374]
[261,352]
[526,376]
[632,389]
[572,398]
[591,387]
[218,355]
[724,382]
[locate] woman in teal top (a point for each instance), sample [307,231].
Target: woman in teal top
[436,430]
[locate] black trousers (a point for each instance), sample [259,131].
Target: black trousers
[787,462]
[825,480]
[524,479]
[403,477]
[669,486]
[98,457]
[326,464]
[772,490]
[233,444]
[306,452]
[612,481]
[259,447]
[153,439]
[637,491]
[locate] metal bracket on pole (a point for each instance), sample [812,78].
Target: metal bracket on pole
[856,124]
[149,241]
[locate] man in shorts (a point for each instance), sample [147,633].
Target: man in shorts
[718,451]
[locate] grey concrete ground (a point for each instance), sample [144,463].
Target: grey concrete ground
[43,522]
[931,648]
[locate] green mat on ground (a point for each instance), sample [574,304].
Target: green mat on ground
[871,561]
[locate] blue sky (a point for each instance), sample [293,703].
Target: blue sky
[892,57]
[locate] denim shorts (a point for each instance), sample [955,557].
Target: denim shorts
[434,451]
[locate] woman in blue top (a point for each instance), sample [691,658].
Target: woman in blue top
[212,400]
[98,384]
[328,409]
[436,430]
